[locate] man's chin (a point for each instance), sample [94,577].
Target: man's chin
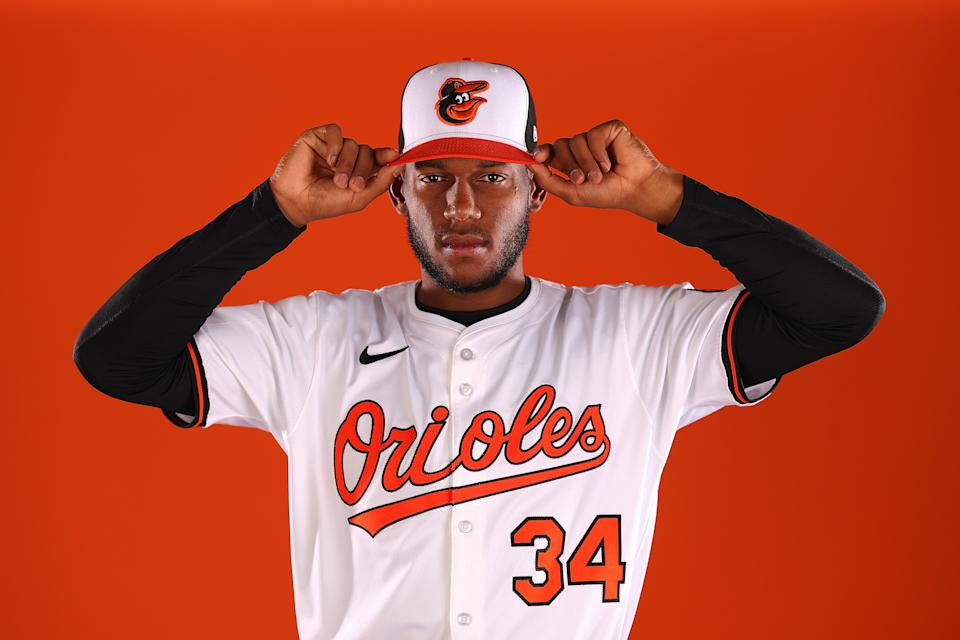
[469,281]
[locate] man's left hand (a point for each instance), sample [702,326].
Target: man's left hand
[610,168]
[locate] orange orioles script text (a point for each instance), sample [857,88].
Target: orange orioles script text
[558,437]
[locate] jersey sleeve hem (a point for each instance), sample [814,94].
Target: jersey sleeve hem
[740,393]
[201,399]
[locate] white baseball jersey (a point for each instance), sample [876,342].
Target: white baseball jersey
[491,481]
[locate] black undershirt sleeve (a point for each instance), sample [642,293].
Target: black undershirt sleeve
[805,300]
[135,347]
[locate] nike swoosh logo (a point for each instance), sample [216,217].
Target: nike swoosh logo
[367,358]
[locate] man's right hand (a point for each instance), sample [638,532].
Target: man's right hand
[324,175]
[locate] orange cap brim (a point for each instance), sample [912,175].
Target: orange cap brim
[464,148]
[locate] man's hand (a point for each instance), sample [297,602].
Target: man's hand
[324,175]
[610,168]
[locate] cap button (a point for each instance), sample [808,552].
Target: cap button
[468,58]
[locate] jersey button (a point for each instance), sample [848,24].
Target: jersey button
[464,619]
[465,526]
[466,354]
[465,389]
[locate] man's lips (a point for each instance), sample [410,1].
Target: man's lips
[459,244]
[461,238]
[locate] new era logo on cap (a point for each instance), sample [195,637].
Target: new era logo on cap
[467,109]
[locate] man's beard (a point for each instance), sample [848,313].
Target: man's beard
[513,245]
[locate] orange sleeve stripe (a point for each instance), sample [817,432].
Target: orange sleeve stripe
[196,376]
[738,391]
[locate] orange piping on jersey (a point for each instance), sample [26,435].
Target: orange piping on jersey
[196,376]
[733,366]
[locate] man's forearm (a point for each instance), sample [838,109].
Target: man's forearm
[134,346]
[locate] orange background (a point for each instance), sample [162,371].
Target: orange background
[828,511]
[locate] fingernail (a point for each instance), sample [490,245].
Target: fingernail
[577,176]
[340,180]
[358,182]
[333,160]
[605,165]
[594,176]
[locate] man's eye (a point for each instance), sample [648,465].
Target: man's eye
[427,178]
[496,177]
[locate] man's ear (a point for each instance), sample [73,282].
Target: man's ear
[537,195]
[396,195]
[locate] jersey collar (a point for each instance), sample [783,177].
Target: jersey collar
[426,317]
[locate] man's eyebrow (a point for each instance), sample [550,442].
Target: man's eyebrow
[435,164]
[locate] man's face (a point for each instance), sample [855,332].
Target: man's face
[467,219]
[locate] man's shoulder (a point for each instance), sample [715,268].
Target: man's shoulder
[603,290]
[361,295]
[599,300]
[359,299]
[321,300]
[627,295]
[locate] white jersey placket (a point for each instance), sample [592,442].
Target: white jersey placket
[467,354]
[466,551]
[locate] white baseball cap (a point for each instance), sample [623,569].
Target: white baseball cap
[467,109]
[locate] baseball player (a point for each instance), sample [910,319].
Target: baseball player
[476,453]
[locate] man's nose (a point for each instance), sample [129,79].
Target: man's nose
[461,204]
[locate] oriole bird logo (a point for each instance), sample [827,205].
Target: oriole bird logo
[458,104]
